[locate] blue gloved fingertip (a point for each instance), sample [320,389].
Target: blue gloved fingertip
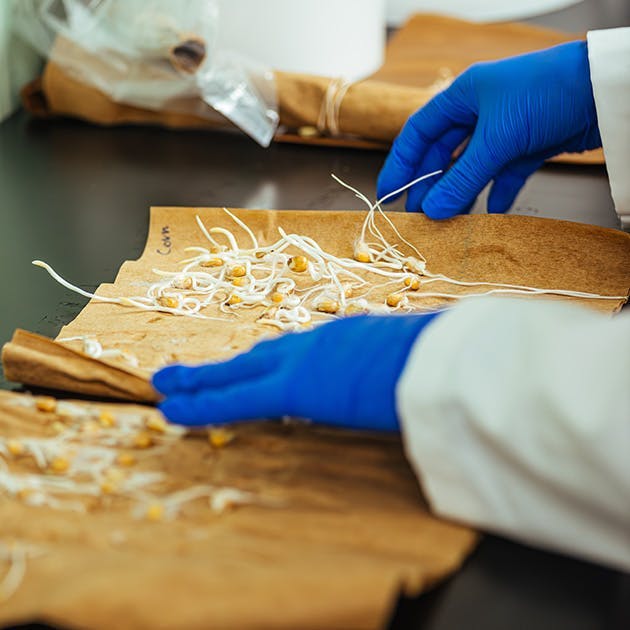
[436,211]
[167,379]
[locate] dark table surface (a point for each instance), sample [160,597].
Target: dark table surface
[78,197]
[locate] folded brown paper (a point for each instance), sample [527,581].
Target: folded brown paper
[371,112]
[535,252]
[35,360]
[350,532]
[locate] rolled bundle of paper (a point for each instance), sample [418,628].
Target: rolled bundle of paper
[373,110]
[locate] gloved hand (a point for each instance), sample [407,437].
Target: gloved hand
[342,373]
[518,112]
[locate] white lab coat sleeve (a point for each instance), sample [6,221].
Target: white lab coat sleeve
[609,58]
[515,415]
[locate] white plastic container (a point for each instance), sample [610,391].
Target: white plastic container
[474,10]
[334,38]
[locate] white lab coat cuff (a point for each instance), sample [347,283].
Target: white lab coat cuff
[514,414]
[609,57]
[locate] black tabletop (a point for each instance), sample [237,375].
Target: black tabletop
[78,197]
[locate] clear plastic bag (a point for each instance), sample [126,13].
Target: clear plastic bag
[154,54]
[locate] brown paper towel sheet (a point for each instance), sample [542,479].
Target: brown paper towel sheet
[35,360]
[351,531]
[372,111]
[536,252]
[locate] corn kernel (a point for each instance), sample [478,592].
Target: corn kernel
[308,131]
[59,465]
[91,426]
[58,427]
[183,283]
[328,306]
[298,263]
[24,493]
[239,282]
[15,447]
[108,487]
[212,262]
[238,271]
[348,292]
[413,264]
[168,301]
[394,299]
[260,254]
[363,257]
[277,297]
[157,424]
[412,283]
[233,300]
[142,440]
[46,403]
[354,309]
[107,419]
[155,512]
[220,437]
[125,459]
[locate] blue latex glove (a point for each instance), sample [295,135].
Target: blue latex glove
[343,373]
[518,112]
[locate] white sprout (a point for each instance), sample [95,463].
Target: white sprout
[93,348]
[89,460]
[15,554]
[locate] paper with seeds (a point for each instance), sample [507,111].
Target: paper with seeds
[242,536]
[501,250]
[274,525]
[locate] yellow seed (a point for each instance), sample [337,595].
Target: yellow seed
[363,257]
[298,263]
[142,440]
[167,301]
[233,300]
[183,283]
[413,264]
[107,419]
[219,437]
[157,424]
[24,493]
[328,306]
[114,474]
[155,512]
[15,447]
[59,465]
[394,299]
[239,282]
[260,254]
[108,487]
[238,271]
[412,283]
[308,131]
[212,262]
[277,297]
[349,291]
[58,427]
[91,426]
[46,403]
[354,309]
[126,459]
